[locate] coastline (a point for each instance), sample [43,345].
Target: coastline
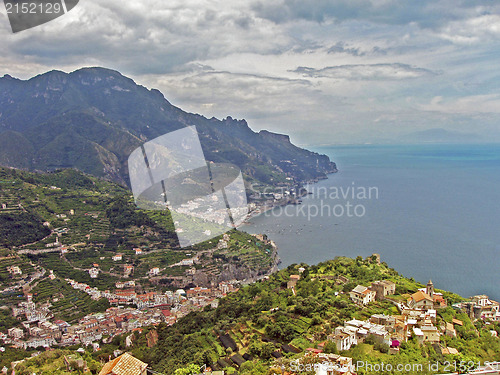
[285,202]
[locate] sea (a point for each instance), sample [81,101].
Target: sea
[431,211]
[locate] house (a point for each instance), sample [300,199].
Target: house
[450,330]
[362,295]
[94,272]
[138,251]
[383,288]
[449,350]
[125,364]
[198,291]
[343,340]
[117,257]
[237,359]
[458,322]
[427,333]
[16,333]
[45,342]
[228,342]
[486,308]
[437,298]
[127,270]
[333,364]
[154,271]
[186,262]
[421,301]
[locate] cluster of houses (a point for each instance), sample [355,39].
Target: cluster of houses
[31,311]
[481,307]
[185,301]
[39,329]
[417,318]
[362,295]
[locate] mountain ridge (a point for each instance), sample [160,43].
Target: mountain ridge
[93,118]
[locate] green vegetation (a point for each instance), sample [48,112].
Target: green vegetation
[67,303]
[58,362]
[263,316]
[21,228]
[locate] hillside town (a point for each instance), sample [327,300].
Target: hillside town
[417,317]
[130,311]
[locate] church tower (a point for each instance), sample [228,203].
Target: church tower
[430,289]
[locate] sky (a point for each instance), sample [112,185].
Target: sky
[324,72]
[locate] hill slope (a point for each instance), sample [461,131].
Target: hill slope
[92,219]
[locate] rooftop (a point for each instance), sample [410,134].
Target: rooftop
[125,364]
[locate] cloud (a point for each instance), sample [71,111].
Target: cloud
[147,36]
[208,90]
[425,13]
[395,71]
[467,105]
[477,29]
[310,68]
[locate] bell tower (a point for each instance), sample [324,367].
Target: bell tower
[430,289]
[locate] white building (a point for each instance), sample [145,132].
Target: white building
[362,295]
[94,272]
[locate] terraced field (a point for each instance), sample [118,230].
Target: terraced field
[66,303]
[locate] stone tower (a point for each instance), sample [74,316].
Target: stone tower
[430,289]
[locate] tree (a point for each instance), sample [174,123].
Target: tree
[381,347]
[330,347]
[255,349]
[267,350]
[188,370]
[253,368]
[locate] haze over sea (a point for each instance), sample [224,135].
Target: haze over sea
[437,215]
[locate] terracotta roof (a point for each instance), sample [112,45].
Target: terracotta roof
[420,296]
[124,365]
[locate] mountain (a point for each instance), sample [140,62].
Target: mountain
[439,135]
[93,118]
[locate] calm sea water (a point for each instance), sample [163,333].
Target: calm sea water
[434,213]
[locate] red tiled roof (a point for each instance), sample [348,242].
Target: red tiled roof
[124,365]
